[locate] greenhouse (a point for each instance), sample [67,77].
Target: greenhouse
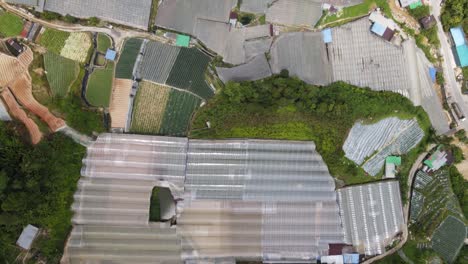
[234,198]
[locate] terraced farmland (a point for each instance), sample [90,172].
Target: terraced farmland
[100,86]
[448,238]
[103,42]
[188,72]
[162,110]
[10,25]
[54,40]
[61,73]
[128,58]
[150,104]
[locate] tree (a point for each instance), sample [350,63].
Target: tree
[47,15]
[420,11]
[70,19]
[93,21]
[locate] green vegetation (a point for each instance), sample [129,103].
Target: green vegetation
[420,11]
[431,35]
[448,238]
[54,40]
[36,187]
[352,12]
[70,19]
[262,20]
[93,21]
[246,18]
[127,59]
[47,15]
[178,113]
[460,188]
[454,14]
[100,86]
[10,25]
[188,72]
[288,108]
[103,42]
[61,73]
[155,207]
[440,78]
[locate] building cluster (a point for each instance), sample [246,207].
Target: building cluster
[233,199]
[31,31]
[441,157]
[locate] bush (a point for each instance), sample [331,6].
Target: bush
[440,78]
[454,14]
[47,15]
[457,154]
[93,21]
[70,19]
[246,18]
[420,11]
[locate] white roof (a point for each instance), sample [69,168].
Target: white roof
[27,237]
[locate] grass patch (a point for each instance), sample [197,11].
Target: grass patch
[352,12]
[10,25]
[321,114]
[103,42]
[61,73]
[155,206]
[100,86]
[54,40]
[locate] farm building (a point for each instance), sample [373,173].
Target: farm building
[428,21]
[27,237]
[15,47]
[249,199]
[111,55]
[256,69]
[438,159]
[372,215]
[382,26]
[370,145]
[407,3]
[125,12]
[391,163]
[461,46]
[304,55]
[384,66]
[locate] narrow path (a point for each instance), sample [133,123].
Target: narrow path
[404,257]
[79,138]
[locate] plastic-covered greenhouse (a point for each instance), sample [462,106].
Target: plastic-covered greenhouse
[250,199]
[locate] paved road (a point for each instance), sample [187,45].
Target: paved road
[452,87]
[117,34]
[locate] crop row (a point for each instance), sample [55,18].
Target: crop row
[61,72]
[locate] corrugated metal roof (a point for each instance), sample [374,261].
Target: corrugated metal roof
[327,35]
[378,29]
[462,52]
[458,36]
[27,237]
[182,40]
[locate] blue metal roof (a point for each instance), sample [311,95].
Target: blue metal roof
[327,35]
[432,73]
[351,258]
[462,52]
[458,36]
[111,54]
[378,29]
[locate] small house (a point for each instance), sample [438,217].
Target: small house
[15,47]
[27,237]
[438,159]
[427,21]
[182,40]
[111,55]
[391,163]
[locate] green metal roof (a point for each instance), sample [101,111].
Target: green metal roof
[182,40]
[393,159]
[462,52]
[415,4]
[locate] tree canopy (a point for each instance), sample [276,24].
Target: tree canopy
[36,187]
[455,13]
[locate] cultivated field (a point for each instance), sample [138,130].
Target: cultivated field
[61,73]
[162,110]
[10,25]
[448,238]
[120,100]
[103,42]
[179,110]
[150,105]
[127,59]
[100,86]
[54,40]
[76,47]
[188,72]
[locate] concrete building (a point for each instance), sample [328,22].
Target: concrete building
[461,46]
[27,237]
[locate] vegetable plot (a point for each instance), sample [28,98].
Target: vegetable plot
[61,73]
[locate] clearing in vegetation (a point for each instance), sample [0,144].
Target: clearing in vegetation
[350,13]
[103,42]
[150,104]
[100,86]
[54,40]
[162,110]
[127,59]
[77,46]
[10,25]
[288,108]
[188,72]
[61,73]
[449,237]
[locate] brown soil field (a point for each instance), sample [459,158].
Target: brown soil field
[120,101]
[18,113]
